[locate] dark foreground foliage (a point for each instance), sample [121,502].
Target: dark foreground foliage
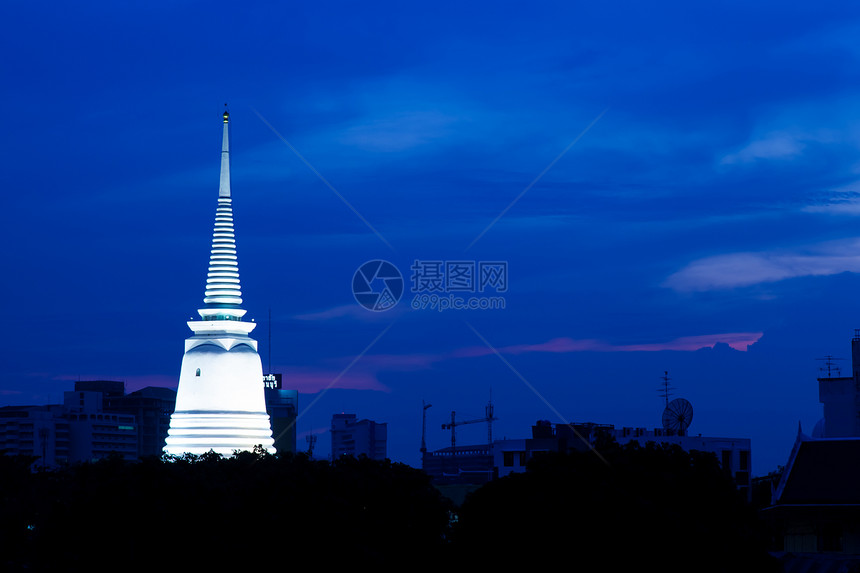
[246,512]
[645,508]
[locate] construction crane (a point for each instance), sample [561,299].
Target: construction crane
[488,418]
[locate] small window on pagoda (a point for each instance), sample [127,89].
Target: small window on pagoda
[198,372]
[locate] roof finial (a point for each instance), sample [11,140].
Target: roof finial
[224,189]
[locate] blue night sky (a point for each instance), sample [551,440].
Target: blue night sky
[706,223]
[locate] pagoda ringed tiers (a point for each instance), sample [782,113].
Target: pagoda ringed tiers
[220,401]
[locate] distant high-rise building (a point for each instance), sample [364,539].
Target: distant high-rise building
[107,388]
[151,407]
[220,403]
[96,420]
[79,430]
[95,433]
[282,406]
[38,431]
[352,437]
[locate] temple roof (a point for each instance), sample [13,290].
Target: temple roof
[819,472]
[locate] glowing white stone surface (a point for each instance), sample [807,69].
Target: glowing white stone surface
[220,402]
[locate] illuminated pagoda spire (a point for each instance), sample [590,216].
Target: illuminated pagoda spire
[220,401]
[222,283]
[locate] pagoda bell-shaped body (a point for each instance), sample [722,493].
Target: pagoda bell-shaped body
[220,402]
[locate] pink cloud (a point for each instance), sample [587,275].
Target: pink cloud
[311,381]
[132,383]
[402,361]
[738,340]
[558,345]
[363,375]
[352,311]
[306,380]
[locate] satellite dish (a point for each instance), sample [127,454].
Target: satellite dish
[677,416]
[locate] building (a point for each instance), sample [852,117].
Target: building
[38,431]
[460,465]
[815,508]
[107,388]
[151,408]
[94,433]
[734,454]
[282,406]
[481,463]
[511,456]
[96,420]
[220,402]
[351,437]
[79,430]
[840,398]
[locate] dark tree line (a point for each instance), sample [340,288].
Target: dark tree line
[245,512]
[649,506]
[640,508]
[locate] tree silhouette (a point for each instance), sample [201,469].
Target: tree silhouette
[649,507]
[212,512]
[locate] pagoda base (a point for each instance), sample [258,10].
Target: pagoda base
[222,432]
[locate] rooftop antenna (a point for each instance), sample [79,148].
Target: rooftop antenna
[488,410]
[665,390]
[424,406]
[270,340]
[311,440]
[678,414]
[829,364]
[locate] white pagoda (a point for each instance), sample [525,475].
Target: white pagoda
[220,402]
